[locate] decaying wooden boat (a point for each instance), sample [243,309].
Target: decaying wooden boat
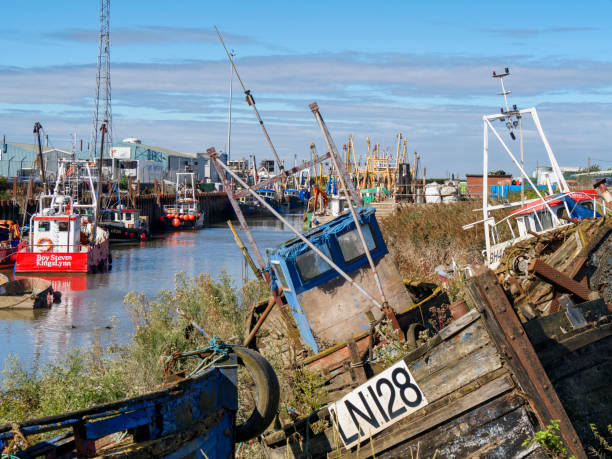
[572,259]
[26,293]
[191,417]
[482,388]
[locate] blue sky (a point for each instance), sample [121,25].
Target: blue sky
[375,68]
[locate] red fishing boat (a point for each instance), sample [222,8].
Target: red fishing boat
[62,241]
[62,238]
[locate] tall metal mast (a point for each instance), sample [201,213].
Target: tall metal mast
[102,100]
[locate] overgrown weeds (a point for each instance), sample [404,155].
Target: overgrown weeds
[423,236]
[90,377]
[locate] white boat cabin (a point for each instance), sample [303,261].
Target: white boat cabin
[128,218]
[56,228]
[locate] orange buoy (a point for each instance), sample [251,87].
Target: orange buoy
[176,222]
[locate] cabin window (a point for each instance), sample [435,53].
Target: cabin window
[351,246]
[62,226]
[561,213]
[546,220]
[280,276]
[587,204]
[311,265]
[44,227]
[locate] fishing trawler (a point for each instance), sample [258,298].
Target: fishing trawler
[559,208]
[63,237]
[124,224]
[185,213]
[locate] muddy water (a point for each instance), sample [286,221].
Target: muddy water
[92,311]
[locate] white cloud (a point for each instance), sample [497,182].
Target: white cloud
[436,101]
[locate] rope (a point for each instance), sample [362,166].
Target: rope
[18,438]
[218,350]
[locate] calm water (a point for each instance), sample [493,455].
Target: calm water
[92,303]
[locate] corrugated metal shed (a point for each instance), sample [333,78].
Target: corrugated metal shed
[21,157]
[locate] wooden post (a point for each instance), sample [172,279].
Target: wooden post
[137,187]
[510,337]
[14,187]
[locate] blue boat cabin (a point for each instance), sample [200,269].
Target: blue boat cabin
[327,309]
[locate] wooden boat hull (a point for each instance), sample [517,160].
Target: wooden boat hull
[193,418]
[489,385]
[27,293]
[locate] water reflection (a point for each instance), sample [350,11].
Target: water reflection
[91,303]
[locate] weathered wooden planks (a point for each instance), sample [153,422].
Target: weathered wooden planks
[457,374]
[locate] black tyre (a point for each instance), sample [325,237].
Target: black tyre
[267,394]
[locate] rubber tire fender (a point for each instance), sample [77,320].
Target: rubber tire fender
[267,390]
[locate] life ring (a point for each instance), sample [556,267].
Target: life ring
[45,241]
[267,393]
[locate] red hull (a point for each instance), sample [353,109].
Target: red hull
[95,258]
[7,257]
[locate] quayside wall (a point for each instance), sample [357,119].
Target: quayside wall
[215,205]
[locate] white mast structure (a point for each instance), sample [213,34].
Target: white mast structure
[229,111]
[512,117]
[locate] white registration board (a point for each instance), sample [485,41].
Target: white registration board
[377,404]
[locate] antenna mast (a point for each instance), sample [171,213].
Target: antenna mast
[512,116]
[102,100]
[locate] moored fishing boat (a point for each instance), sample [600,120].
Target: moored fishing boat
[185,213]
[64,237]
[62,241]
[125,224]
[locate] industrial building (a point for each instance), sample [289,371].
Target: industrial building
[133,159]
[21,160]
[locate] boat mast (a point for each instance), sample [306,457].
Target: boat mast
[229,111]
[251,102]
[99,184]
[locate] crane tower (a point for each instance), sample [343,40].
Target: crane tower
[102,99]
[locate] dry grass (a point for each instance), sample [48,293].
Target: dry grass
[423,236]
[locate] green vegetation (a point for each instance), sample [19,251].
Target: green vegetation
[104,374]
[99,375]
[550,440]
[606,447]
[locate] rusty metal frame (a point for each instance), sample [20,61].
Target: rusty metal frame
[512,340]
[558,279]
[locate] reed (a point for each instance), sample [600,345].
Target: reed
[423,236]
